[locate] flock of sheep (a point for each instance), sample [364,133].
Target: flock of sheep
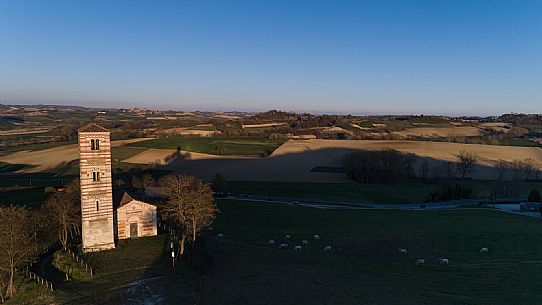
[328,249]
[304,242]
[442,261]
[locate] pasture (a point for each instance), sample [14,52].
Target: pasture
[369,270]
[254,146]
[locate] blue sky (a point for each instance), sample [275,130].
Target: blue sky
[435,57]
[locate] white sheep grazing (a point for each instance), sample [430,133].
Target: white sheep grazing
[283,246]
[271,242]
[443,261]
[402,250]
[420,262]
[297,248]
[327,249]
[287,236]
[484,250]
[304,242]
[316,237]
[219,235]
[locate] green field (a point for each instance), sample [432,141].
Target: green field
[236,146]
[409,191]
[125,152]
[368,270]
[8,167]
[34,147]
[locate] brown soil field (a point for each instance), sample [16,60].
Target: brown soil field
[49,159]
[451,131]
[293,161]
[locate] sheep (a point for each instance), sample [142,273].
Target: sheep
[219,235]
[443,261]
[304,242]
[297,248]
[327,249]
[287,236]
[420,262]
[484,250]
[271,242]
[316,237]
[283,246]
[402,251]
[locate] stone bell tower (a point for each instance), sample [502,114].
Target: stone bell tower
[97,229]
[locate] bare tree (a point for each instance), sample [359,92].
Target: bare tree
[517,167]
[190,204]
[63,213]
[17,244]
[502,168]
[147,180]
[219,185]
[528,168]
[424,169]
[448,168]
[436,172]
[467,161]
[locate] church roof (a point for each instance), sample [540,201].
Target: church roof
[92,128]
[126,198]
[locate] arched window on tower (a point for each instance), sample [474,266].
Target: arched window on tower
[95,176]
[97,144]
[92,146]
[97,205]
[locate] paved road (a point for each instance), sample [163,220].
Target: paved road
[454,204]
[354,205]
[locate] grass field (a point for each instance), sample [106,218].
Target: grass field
[35,147]
[237,146]
[368,270]
[124,152]
[8,167]
[410,191]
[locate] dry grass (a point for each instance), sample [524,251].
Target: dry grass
[49,159]
[451,131]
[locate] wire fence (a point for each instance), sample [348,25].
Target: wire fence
[40,280]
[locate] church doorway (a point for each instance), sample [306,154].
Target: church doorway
[133,230]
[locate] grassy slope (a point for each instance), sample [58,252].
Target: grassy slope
[368,271]
[240,146]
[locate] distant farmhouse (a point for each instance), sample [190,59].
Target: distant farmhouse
[102,223]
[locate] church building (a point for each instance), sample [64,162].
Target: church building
[101,222]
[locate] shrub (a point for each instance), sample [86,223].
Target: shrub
[534,196]
[451,192]
[50,190]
